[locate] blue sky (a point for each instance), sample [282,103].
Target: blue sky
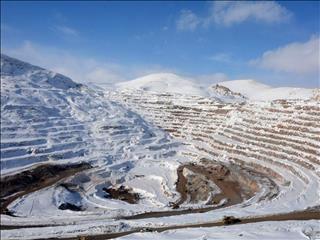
[273,42]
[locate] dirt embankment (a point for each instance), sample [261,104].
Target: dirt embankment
[31,180]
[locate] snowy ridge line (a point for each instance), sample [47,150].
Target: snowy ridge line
[274,153]
[223,148]
[240,141]
[40,120]
[288,129]
[42,127]
[297,137]
[303,123]
[8,163]
[23,143]
[15,152]
[267,136]
[288,124]
[293,149]
[60,134]
[49,130]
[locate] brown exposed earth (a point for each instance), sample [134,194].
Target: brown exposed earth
[232,190]
[122,193]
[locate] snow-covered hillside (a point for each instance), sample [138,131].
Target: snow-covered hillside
[254,90]
[48,118]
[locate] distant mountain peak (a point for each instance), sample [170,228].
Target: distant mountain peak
[165,82]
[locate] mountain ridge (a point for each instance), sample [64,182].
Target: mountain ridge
[236,89]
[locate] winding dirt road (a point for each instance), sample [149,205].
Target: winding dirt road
[303,215]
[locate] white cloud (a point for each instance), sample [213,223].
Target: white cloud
[65,30]
[227,13]
[299,58]
[187,21]
[232,12]
[80,69]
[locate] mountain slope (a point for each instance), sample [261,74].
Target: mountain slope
[227,91]
[254,90]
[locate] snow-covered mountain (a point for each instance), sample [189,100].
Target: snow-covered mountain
[236,90]
[175,84]
[254,90]
[164,83]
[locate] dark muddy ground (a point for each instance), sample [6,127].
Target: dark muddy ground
[122,193]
